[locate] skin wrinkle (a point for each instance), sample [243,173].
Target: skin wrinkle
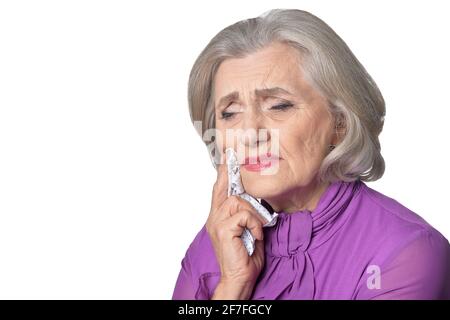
[306,129]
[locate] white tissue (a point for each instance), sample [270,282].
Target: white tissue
[235,187]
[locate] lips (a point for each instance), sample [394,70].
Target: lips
[260,162]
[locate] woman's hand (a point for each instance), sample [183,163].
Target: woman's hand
[226,222]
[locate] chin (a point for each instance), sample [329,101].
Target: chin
[262,186]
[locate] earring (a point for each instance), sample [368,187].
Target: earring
[331,147]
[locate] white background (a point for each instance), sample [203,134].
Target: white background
[103,179]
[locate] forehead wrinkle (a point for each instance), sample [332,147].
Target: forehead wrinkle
[268,74]
[251,71]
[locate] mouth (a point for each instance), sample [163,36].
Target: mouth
[260,162]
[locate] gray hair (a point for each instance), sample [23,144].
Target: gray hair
[330,67]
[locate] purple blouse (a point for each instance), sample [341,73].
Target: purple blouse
[356,244]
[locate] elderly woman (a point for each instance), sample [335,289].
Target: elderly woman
[288,72]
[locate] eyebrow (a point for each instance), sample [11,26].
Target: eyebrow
[258,92]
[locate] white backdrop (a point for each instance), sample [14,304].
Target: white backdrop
[103,179]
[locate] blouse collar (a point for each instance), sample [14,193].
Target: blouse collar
[305,229]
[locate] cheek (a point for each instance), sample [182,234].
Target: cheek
[293,140]
[303,144]
[220,134]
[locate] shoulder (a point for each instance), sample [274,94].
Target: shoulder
[203,265]
[391,208]
[411,253]
[390,218]
[201,253]
[199,272]
[387,227]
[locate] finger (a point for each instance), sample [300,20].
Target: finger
[245,219]
[235,204]
[231,206]
[220,188]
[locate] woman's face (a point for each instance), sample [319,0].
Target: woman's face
[297,111]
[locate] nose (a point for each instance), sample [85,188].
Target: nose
[254,131]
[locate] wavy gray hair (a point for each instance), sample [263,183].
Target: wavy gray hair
[330,67]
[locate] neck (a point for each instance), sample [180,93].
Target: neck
[298,199]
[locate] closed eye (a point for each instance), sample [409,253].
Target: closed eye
[282,107]
[226,115]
